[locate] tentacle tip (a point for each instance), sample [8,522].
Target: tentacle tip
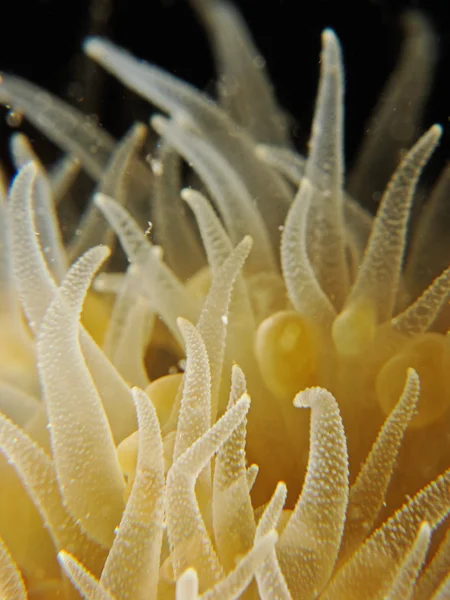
[306,398]
[244,402]
[140,131]
[31,167]
[63,557]
[247,241]
[331,45]
[425,527]
[437,130]
[103,251]
[411,374]
[159,123]
[306,185]
[187,194]
[182,323]
[100,199]
[281,487]
[188,583]
[95,46]
[329,35]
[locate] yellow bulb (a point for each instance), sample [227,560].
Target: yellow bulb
[163,392]
[353,330]
[286,349]
[429,355]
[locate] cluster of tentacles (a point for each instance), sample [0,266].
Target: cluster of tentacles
[151,421]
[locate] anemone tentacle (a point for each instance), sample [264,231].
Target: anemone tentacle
[268,289]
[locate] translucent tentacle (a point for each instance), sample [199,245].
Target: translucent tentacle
[418,317]
[286,161]
[30,275]
[376,564]
[252,474]
[124,176]
[368,492]
[131,569]
[429,253]
[21,151]
[194,418]
[270,579]
[397,117]
[233,585]
[12,586]
[309,544]
[372,298]
[324,168]
[216,241]
[403,585]
[218,247]
[187,586]
[228,191]
[358,223]
[128,331]
[244,89]
[46,220]
[379,273]
[172,226]
[213,321]
[432,576]
[109,283]
[17,363]
[182,101]
[233,519]
[38,476]
[165,292]
[303,288]
[62,176]
[69,128]
[84,581]
[189,539]
[80,433]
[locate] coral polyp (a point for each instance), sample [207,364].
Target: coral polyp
[232,380]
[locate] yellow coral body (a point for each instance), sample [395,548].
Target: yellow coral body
[153,433]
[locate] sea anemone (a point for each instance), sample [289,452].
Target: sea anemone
[153,437]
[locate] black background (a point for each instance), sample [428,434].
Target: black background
[41,40]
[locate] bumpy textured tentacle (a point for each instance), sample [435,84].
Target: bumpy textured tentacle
[309,544]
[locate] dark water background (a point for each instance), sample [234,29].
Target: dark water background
[41,41]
